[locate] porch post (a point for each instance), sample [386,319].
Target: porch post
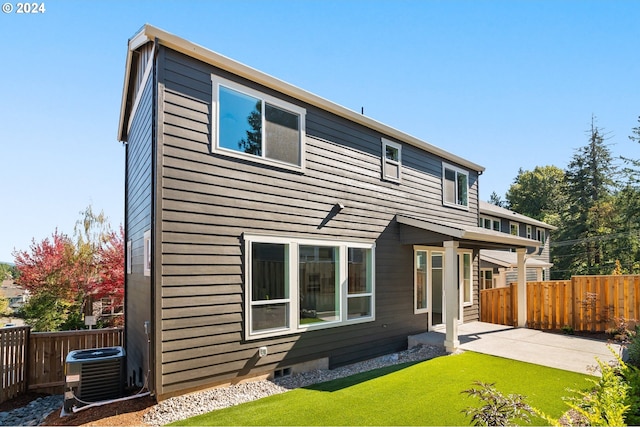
[452,299]
[522,288]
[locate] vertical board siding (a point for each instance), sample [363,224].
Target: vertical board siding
[138,220]
[209,200]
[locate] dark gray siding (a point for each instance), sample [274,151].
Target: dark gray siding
[209,200]
[138,220]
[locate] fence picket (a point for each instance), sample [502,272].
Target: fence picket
[584,303]
[35,361]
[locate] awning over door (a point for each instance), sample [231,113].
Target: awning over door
[419,231]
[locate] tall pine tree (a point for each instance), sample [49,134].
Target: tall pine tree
[584,240]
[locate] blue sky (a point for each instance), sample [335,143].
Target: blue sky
[506,84]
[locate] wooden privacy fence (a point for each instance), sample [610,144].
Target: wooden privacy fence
[500,305]
[587,303]
[35,361]
[584,303]
[14,343]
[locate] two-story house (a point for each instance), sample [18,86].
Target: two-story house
[270,230]
[498,268]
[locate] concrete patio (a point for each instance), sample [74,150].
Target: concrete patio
[567,352]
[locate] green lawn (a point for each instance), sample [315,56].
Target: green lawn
[426,393]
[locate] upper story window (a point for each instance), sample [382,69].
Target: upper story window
[529,232]
[540,235]
[489,223]
[455,186]
[255,125]
[391,160]
[514,228]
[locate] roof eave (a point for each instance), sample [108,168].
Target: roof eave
[149,32]
[469,233]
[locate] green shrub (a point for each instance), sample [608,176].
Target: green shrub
[608,402]
[567,329]
[631,375]
[633,348]
[498,409]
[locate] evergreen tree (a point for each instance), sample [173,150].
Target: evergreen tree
[494,199]
[583,245]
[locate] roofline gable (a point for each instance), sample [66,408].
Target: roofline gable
[490,209]
[150,33]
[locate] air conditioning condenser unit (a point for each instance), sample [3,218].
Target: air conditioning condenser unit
[93,375]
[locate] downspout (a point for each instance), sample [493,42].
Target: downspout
[155,366]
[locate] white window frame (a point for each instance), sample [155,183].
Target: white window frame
[385,162]
[147,253]
[541,234]
[483,279]
[517,228]
[427,283]
[293,283]
[493,222]
[129,255]
[458,171]
[218,81]
[461,254]
[529,232]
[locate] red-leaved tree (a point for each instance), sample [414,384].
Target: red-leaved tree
[64,277]
[110,281]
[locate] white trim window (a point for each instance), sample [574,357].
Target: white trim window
[294,285]
[428,275]
[455,186]
[466,277]
[391,160]
[129,246]
[541,235]
[489,223]
[254,125]
[514,228]
[529,232]
[147,253]
[428,279]
[486,278]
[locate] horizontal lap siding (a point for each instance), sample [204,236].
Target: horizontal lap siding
[209,200]
[138,220]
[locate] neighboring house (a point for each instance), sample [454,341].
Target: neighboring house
[270,231]
[16,295]
[498,268]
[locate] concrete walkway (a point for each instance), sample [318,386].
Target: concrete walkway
[566,352]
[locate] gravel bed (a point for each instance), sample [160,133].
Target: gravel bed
[189,405]
[32,414]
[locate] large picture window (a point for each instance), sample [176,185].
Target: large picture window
[455,186]
[253,124]
[297,284]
